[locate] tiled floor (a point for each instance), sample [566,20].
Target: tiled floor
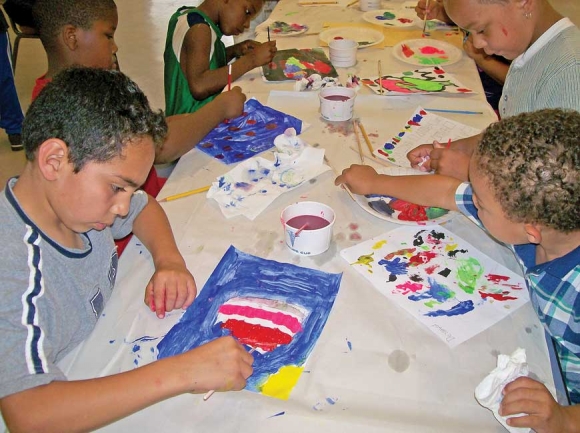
[141,40]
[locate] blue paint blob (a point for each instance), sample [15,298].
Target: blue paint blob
[457,310]
[395,266]
[136,348]
[330,400]
[349,344]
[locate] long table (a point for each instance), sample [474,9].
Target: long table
[345,388]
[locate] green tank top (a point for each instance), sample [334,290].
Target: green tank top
[178,98]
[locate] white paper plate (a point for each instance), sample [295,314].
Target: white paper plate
[426,52]
[365,37]
[284,29]
[379,206]
[392,18]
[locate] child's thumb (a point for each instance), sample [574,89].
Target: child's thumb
[437,145]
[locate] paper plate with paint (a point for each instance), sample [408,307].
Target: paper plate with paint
[400,211]
[426,52]
[365,37]
[282,28]
[391,18]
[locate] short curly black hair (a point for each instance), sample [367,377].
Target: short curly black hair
[51,16]
[532,164]
[96,112]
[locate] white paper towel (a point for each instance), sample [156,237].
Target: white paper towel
[489,392]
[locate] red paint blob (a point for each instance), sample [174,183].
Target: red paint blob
[257,336]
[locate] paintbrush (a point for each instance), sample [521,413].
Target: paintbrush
[425,21]
[360,151]
[300,229]
[381,90]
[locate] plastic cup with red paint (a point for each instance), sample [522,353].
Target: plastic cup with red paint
[308,227]
[337,103]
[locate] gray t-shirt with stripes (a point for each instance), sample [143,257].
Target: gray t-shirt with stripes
[547,75]
[51,296]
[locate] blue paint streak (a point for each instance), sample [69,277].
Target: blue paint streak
[241,274]
[277,414]
[349,344]
[461,308]
[330,400]
[142,339]
[395,266]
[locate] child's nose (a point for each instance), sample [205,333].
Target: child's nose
[121,206]
[478,42]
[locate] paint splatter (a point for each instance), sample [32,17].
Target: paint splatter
[277,414]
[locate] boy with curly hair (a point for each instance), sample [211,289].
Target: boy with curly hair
[90,140]
[524,190]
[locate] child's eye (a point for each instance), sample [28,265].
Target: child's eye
[248,12]
[117,189]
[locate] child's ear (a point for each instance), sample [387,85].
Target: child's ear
[52,158]
[534,233]
[69,36]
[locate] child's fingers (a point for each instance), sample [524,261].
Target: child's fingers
[438,145]
[191,293]
[159,303]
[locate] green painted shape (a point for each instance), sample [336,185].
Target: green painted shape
[469,271]
[427,86]
[435,212]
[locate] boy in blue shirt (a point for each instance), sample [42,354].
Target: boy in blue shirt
[524,190]
[90,140]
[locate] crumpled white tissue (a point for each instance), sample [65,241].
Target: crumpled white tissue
[489,392]
[253,184]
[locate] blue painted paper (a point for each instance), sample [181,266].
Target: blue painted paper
[242,275]
[251,133]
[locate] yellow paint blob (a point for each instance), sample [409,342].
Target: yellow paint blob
[280,384]
[378,245]
[450,247]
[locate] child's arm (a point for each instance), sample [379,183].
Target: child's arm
[452,161]
[172,286]
[194,60]
[86,405]
[543,414]
[432,190]
[186,130]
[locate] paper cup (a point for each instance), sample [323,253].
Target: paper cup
[369,5]
[337,103]
[343,52]
[315,237]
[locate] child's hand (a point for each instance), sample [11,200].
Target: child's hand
[359,178]
[543,413]
[478,55]
[232,103]
[263,54]
[420,157]
[435,11]
[222,365]
[246,47]
[172,286]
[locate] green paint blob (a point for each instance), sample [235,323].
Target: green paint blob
[389,16]
[430,60]
[435,212]
[468,272]
[427,86]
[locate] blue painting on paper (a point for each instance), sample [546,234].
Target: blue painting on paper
[251,133]
[277,310]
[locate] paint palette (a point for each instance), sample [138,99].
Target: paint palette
[282,28]
[391,18]
[365,37]
[399,211]
[426,52]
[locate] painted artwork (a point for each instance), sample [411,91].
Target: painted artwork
[276,309]
[295,64]
[238,139]
[422,127]
[440,279]
[282,28]
[418,81]
[250,187]
[400,211]
[391,18]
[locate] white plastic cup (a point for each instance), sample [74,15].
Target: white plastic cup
[343,52]
[337,103]
[369,5]
[309,241]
